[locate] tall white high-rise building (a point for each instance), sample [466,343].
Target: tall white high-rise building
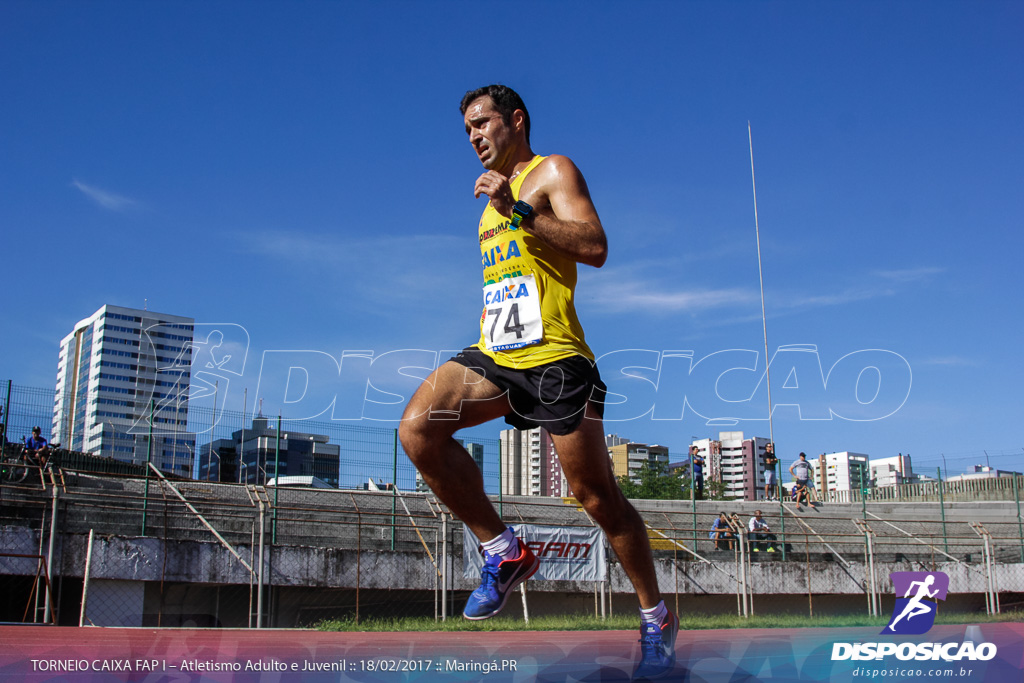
[530,465]
[736,462]
[842,471]
[118,367]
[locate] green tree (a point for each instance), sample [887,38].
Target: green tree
[714,490]
[654,481]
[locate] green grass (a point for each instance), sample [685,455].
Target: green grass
[630,622]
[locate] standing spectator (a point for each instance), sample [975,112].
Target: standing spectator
[801,471]
[721,531]
[697,469]
[771,482]
[760,536]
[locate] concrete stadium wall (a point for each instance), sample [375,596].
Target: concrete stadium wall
[149,559]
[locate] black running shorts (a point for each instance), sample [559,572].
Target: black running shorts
[552,396]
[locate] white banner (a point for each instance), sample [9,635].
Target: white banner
[565,553]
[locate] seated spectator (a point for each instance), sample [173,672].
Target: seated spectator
[37,446]
[722,533]
[760,534]
[800,493]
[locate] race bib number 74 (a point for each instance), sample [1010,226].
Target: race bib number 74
[511,316]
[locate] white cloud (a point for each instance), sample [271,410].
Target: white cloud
[392,268]
[616,295]
[646,286]
[951,361]
[909,274]
[108,200]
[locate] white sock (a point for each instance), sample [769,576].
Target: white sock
[505,545]
[655,615]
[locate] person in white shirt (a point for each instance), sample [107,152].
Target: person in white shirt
[760,534]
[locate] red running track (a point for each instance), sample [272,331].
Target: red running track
[43,654]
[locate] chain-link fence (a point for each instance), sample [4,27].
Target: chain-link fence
[205,536]
[173,553]
[232,446]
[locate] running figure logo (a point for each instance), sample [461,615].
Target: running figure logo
[914,612]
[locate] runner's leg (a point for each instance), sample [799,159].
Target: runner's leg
[588,469]
[453,398]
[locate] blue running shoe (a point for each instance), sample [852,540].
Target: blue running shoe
[657,649]
[497,580]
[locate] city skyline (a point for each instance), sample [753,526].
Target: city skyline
[312,197]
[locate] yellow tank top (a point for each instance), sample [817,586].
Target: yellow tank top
[529,318]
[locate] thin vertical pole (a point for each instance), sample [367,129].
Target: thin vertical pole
[764,329]
[213,426]
[760,275]
[259,574]
[49,560]
[359,556]
[277,479]
[7,418]
[782,514]
[1020,528]
[807,565]
[942,509]
[693,507]
[394,485]
[444,567]
[241,443]
[85,579]
[149,459]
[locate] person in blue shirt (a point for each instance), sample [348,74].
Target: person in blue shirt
[37,446]
[697,467]
[722,532]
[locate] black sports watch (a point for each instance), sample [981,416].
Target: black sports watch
[520,211]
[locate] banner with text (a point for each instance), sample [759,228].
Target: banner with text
[565,553]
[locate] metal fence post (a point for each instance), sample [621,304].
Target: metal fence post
[85,579]
[444,565]
[7,418]
[259,573]
[394,486]
[1020,527]
[277,480]
[49,558]
[782,520]
[149,459]
[693,514]
[942,509]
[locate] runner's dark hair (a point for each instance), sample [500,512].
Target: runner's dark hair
[506,101]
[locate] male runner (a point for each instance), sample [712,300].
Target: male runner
[531,366]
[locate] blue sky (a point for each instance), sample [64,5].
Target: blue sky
[302,171]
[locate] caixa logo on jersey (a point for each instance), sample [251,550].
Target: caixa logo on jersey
[917,596]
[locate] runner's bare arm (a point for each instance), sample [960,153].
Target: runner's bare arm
[563,212]
[564,215]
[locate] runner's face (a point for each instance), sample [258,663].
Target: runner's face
[492,139]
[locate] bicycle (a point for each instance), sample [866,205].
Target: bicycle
[14,469]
